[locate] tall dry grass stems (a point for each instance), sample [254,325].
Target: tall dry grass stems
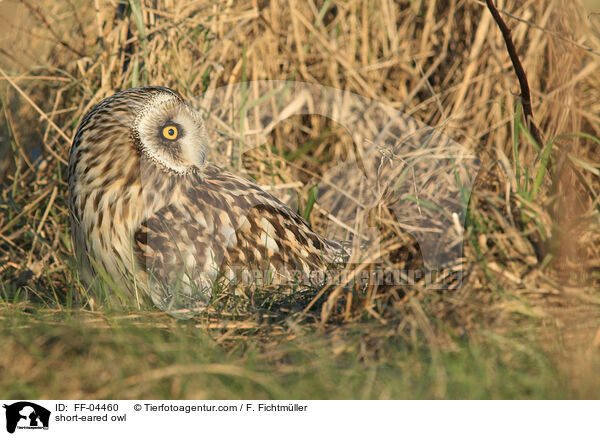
[532,236]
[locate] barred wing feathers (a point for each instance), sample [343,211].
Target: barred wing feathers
[224,224]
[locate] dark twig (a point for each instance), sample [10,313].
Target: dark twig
[521,75]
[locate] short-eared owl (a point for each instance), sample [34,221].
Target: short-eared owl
[150,213]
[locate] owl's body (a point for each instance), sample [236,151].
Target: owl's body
[149,213]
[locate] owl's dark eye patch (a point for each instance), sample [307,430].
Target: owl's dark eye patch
[170,131]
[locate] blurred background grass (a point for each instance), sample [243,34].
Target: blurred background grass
[525,323]
[591,5]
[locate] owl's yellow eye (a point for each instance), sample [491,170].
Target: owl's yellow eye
[170,132]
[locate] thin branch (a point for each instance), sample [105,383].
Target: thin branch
[521,75]
[553,33]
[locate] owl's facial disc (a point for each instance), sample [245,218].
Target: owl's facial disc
[172,134]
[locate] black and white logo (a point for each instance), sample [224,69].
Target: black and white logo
[26,415]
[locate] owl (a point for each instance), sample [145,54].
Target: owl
[149,214]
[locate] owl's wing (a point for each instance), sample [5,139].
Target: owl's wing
[173,252]
[263,232]
[227,226]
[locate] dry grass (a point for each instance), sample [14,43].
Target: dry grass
[532,233]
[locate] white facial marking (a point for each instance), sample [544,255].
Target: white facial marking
[188,150]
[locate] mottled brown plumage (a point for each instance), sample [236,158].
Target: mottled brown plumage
[151,214]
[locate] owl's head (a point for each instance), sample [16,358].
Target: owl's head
[170,132]
[154,120]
